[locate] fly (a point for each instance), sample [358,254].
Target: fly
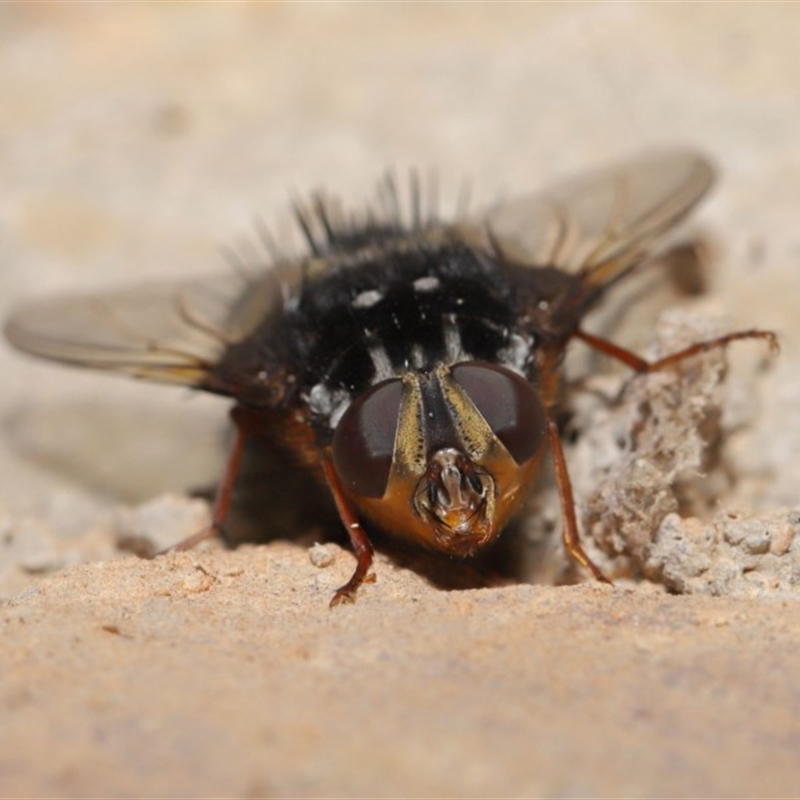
[413,365]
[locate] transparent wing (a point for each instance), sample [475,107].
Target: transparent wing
[168,332]
[602,223]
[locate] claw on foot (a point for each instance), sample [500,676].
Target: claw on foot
[347,593]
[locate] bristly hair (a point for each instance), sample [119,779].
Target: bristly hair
[327,229]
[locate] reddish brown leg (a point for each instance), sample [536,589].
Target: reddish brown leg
[569,526]
[358,538]
[642,365]
[222,501]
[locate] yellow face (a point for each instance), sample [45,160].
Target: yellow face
[445,458]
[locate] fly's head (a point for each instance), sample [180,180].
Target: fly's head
[443,458]
[457,499]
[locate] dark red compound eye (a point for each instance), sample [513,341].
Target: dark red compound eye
[508,403]
[363,443]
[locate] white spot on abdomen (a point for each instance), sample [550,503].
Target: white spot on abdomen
[429,283]
[452,340]
[367,299]
[381,362]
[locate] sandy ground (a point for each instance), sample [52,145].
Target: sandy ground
[136,139]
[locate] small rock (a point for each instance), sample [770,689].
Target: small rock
[320,555]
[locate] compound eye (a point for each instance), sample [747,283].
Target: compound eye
[363,443]
[508,403]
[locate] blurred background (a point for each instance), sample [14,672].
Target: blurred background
[138,139]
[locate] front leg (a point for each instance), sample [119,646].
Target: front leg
[222,499]
[569,522]
[358,538]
